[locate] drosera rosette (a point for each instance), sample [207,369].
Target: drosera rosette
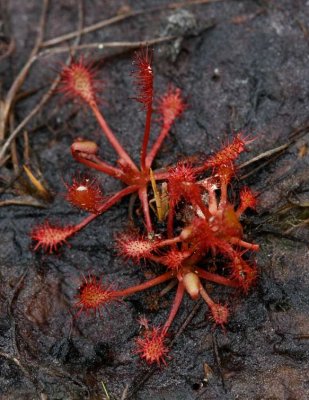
[199,219]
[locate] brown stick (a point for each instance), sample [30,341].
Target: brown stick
[105,45]
[19,80]
[41,103]
[122,17]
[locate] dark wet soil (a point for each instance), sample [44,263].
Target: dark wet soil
[243,65]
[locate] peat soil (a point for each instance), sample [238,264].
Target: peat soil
[243,66]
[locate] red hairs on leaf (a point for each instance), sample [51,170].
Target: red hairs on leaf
[144,76]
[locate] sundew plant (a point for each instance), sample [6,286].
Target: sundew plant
[208,224]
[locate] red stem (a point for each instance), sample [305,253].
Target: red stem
[216,278]
[157,145]
[143,286]
[146,136]
[200,169]
[169,242]
[112,138]
[206,297]
[109,203]
[240,211]
[212,201]
[175,307]
[203,208]
[160,176]
[246,245]
[98,164]
[223,196]
[170,221]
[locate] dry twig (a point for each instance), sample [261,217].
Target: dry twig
[46,95]
[105,45]
[121,17]
[19,80]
